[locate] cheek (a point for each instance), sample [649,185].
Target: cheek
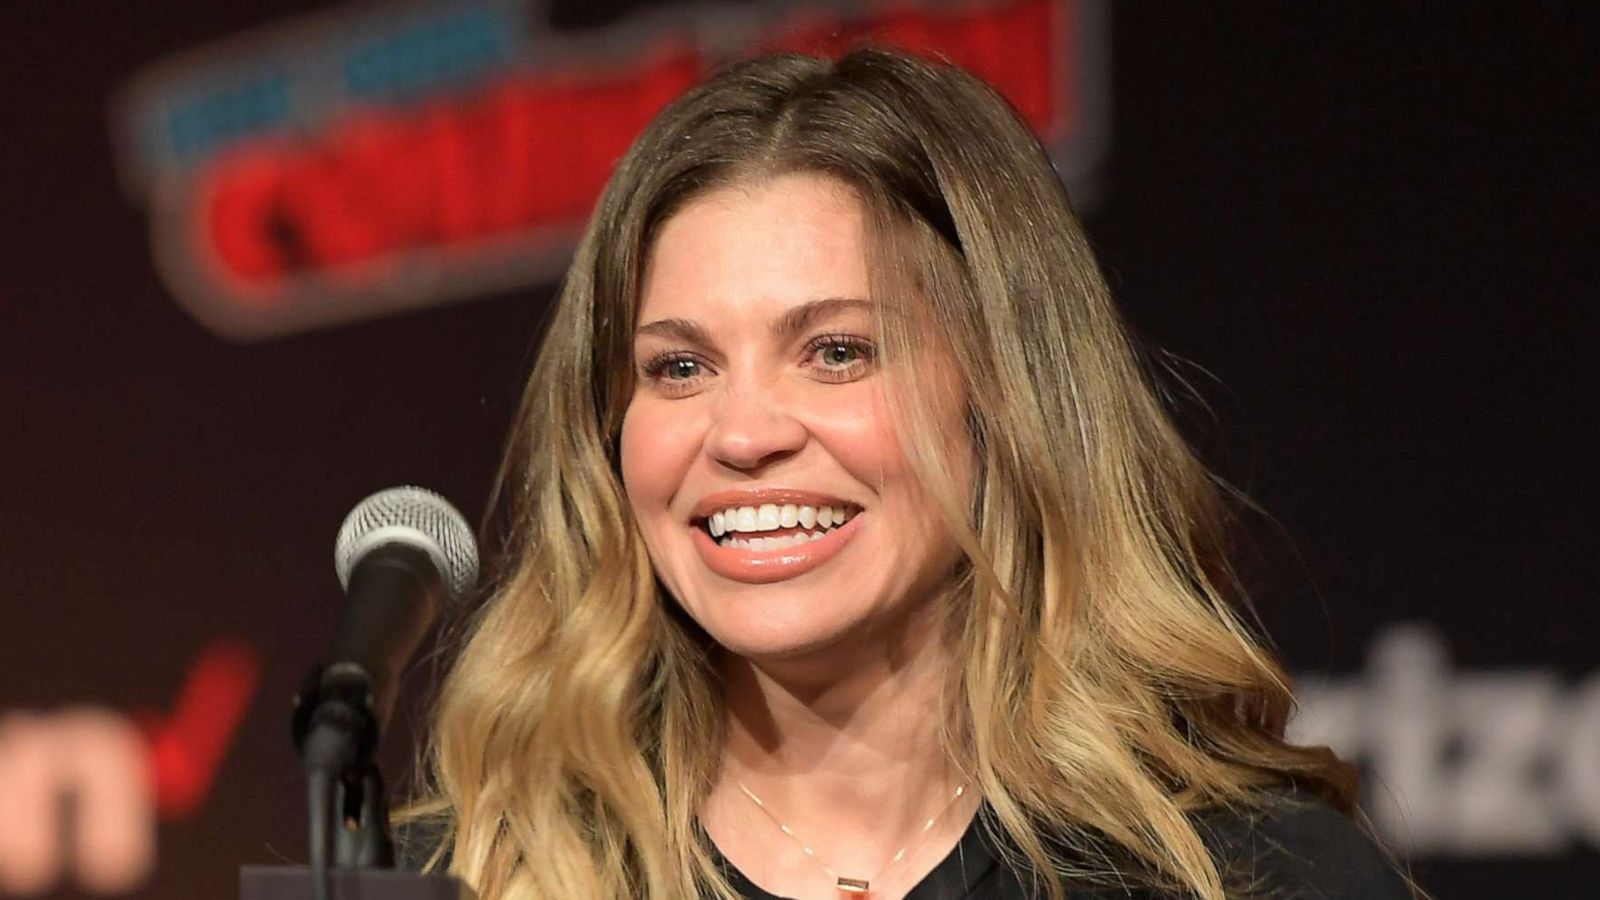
[860,436]
[651,451]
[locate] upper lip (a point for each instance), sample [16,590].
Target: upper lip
[714,503]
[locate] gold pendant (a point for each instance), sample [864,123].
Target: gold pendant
[853,885]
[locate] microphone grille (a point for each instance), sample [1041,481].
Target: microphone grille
[419,518]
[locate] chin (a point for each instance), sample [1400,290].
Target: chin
[768,641]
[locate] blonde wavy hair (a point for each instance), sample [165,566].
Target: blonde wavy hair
[1106,686]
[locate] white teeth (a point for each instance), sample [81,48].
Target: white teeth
[772,516]
[773,543]
[767,517]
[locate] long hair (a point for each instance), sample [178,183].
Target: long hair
[1107,686]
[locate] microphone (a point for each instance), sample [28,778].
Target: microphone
[402,555]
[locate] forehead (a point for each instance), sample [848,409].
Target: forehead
[757,249]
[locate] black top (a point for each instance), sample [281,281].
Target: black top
[1297,848]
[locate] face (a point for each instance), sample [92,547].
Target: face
[758,453]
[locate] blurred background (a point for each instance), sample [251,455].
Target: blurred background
[265,259]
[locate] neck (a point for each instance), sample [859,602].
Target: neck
[851,756]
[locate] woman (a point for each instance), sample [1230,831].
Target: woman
[851,550]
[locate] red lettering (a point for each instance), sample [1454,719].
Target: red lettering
[532,153]
[239,197]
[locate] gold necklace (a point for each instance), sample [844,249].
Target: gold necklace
[856,885]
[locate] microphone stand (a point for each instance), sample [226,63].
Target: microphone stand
[336,732]
[351,847]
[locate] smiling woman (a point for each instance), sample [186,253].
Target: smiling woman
[776,403]
[851,550]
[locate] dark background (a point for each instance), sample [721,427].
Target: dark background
[1367,228]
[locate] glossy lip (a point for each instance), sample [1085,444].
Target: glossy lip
[713,503]
[767,566]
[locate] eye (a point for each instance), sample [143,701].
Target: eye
[840,357]
[673,371]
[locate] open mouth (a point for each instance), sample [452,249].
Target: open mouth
[774,542]
[774,526]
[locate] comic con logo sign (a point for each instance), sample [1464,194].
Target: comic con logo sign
[363,162]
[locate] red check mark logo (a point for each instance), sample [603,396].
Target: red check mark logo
[120,775]
[188,745]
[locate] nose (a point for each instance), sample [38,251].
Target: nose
[752,428]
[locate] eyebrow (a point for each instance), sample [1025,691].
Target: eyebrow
[795,320]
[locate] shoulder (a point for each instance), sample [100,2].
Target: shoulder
[1294,846]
